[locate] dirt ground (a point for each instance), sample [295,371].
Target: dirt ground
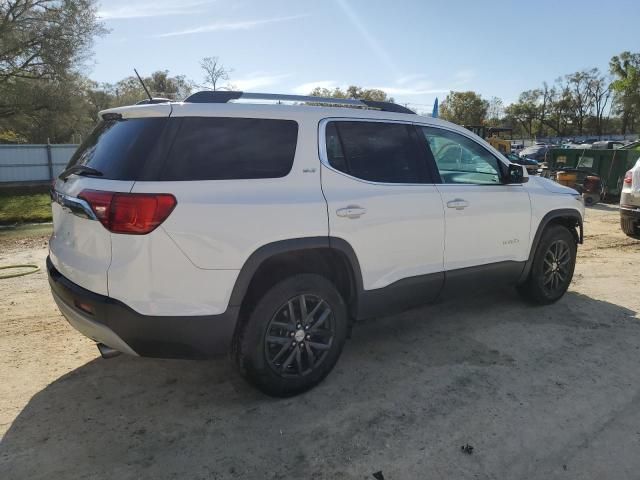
[539,392]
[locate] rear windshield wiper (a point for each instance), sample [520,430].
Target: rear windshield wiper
[80,170]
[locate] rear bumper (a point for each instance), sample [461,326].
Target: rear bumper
[118,326]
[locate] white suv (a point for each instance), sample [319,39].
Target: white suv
[630,203]
[215,225]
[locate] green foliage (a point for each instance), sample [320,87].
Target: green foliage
[65,110]
[352,91]
[45,39]
[464,108]
[9,136]
[626,86]
[25,208]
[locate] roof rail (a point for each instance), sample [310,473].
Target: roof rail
[208,96]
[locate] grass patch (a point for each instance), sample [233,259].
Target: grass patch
[24,208]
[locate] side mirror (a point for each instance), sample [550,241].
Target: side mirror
[516,174]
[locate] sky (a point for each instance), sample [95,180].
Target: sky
[413,50]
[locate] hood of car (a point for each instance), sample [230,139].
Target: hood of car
[554,187]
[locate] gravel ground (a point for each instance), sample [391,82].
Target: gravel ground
[539,392]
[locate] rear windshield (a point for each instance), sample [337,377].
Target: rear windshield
[219,148]
[120,148]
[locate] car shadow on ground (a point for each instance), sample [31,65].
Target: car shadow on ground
[407,391]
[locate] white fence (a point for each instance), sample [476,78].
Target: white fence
[33,163]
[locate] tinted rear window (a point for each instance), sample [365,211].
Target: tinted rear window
[218,148]
[375,151]
[120,148]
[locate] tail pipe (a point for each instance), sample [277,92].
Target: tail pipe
[107,352]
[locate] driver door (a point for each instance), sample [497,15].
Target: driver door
[486,221]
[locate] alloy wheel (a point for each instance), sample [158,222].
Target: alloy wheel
[555,269]
[299,336]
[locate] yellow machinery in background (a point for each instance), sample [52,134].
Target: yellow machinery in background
[492,135]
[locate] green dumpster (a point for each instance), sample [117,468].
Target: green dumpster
[610,165]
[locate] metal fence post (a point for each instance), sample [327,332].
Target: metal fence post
[49,161]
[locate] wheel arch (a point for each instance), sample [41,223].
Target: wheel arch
[331,257]
[568,217]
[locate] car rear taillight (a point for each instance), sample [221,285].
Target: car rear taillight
[628,178]
[131,213]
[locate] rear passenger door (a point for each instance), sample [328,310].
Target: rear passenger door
[382,201]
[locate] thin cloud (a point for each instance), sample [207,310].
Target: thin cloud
[257,80]
[145,10]
[463,77]
[306,88]
[408,91]
[410,78]
[404,88]
[220,26]
[370,39]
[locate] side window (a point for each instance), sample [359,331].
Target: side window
[219,148]
[375,151]
[461,160]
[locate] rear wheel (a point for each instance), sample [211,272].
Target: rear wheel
[552,268]
[294,335]
[630,227]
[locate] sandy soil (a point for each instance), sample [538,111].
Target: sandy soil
[539,392]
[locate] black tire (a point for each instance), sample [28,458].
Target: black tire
[590,199]
[257,355]
[549,278]
[630,227]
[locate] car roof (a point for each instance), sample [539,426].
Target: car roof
[270,110]
[301,113]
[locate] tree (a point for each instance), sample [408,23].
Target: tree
[526,110]
[214,72]
[559,109]
[599,88]
[626,88]
[578,84]
[45,39]
[464,108]
[495,111]
[353,91]
[162,85]
[43,44]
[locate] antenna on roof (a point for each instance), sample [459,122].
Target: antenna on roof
[144,86]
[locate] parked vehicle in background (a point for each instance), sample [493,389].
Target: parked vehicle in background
[530,164]
[536,152]
[630,203]
[584,181]
[204,227]
[516,147]
[607,145]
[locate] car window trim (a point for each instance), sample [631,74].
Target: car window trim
[324,158]
[503,167]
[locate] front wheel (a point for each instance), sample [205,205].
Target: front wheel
[293,337]
[553,265]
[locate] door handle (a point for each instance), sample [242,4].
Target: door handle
[458,204]
[352,211]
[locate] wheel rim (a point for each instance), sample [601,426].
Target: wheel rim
[299,336]
[556,264]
